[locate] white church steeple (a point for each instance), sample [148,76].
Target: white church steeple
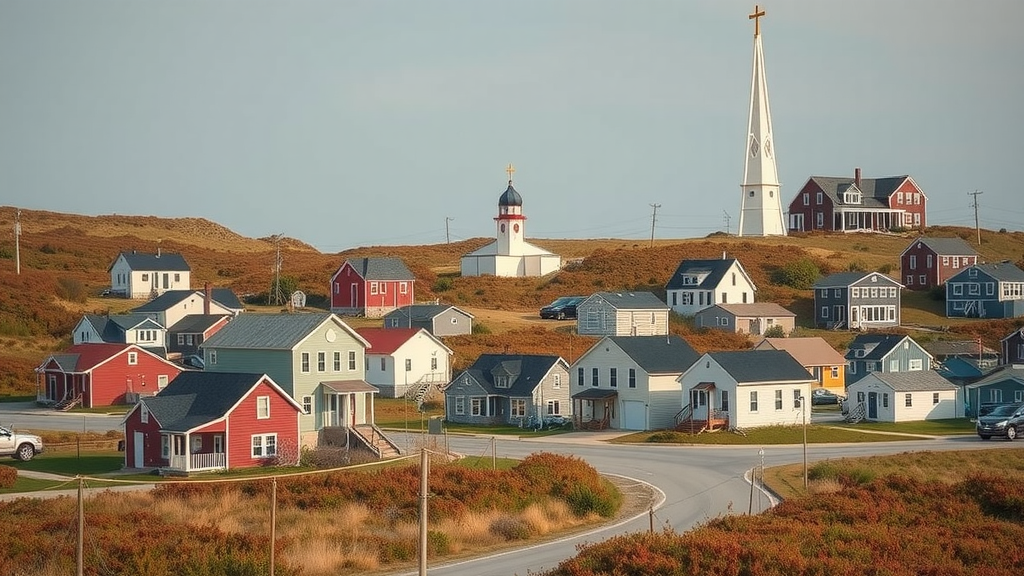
[510,219]
[760,204]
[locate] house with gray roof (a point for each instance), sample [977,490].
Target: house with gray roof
[438,319]
[138,275]
[622,314]
[754,318]
[838,204]
[629,382]
[929,262]
[315,357]
[700,284]
[171,306]
[850,300]
[904,397]
[371,287]
[986,291]
[187,335]
[744,389]
[132,328]
[1004,385]
[518,389]
[884,353]
[206,421]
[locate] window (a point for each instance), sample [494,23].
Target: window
[913,262]
[923,280]
[307,404]
[553,408]
[1018,395]
[403,287]
[460,404]
[935,397]
[197,444]
[337,361]
[899,197]
[910,280]
[894,365]
[433,367]
[838,292]
[321,361]
[455,320]
[383,364]
[796,398]
[820,220]
[824,312]
[990,288]
[181,339]
[161,382]
[502,381]
[819,197]
[733,278]
[133,358]
[476,406]
[908,400]
[854,292]
[725,298]
[613,377]
[725,400]
[945,260]
[213,356]
[143,413]
[408,364]
[917,199]
[807,199]
[262,407]
[852,368]
[835,372]
[518,407]
[594,377]
[579,376]
[373,288]
[874,292]
[165,446]
[916,364]
[753,400]
[871,366]
[264,445]
[930,262]
[885,400]
[958,289]
[145,277]
[177,277]
[860,396]
[351,359]
[778,399]
[956,262]
[305,362]
[995,395]
[632,377]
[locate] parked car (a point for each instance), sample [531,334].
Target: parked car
[20,446]
[562,308]
[194,361]
[822,396]
[1006,420]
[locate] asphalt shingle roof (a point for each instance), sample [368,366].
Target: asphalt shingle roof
[876,346]
[383,268]
[809,351]
[1007,372]
[267,331]
[749,366]
[715,269]
[171,298]
[632,300]
[946,246]
[195,398]
[840,279]
[196,323]
[421,312]
[919,381]
[658,354]
[875,191]
[1002,271]
[756,309]
[163,261]
[526,372]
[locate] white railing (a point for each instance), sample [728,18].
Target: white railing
[198,462]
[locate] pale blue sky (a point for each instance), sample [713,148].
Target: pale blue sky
[356,123]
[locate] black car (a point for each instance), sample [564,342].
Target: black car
[1006,420]
[564,307]
[822,396]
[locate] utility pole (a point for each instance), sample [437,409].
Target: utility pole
[977,227]
[275,292]
[654,218]
[79,552]
[424,471]
[447,236]
[17,241]
[726,221]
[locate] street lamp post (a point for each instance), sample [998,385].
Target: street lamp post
[803,409]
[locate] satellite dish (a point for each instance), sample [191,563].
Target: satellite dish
[298,299]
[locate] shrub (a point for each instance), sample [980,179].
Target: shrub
[801,274]
[8,476]
[510,528]
[776,331]
[937,293]
[855,266]
[71,289]
[885,268]
[583,500]
[443,284]
[48,249]
[480,328]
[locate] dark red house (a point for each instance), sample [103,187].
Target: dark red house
[205,421]
[101,374]
[371,287]
[857,204]
[929,262]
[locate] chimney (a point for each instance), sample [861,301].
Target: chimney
[723,254]
[157,251]
[207,297]
[856,177]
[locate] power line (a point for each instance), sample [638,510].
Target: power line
[654,218]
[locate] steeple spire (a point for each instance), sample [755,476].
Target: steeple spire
[760,204]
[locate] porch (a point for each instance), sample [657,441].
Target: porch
[708,410]
[593,409]
[192,452]
[870,219]
[346,403]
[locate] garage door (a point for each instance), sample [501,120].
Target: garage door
[633,413]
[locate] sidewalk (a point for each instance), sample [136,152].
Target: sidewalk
[70,492]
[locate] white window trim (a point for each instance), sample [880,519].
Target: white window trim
[260,441]
[263,407]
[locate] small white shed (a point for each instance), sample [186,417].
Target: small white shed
[905,396]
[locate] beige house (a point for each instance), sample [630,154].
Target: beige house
[622,314]
[816,355]
[753,318]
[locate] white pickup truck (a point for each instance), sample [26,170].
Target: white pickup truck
[21,446]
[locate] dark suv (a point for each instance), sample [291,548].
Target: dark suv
[564,307]
[1006,420]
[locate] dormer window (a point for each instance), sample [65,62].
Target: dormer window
[859,353]
[501,382]
[851,196]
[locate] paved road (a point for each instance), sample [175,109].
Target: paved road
[28,416]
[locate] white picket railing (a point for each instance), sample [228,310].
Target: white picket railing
[198,462]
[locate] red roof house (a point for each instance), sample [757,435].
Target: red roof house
[101,374]
[371,287]
[404,361]
[206,421]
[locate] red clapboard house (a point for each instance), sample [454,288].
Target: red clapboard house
[858,204]
[101,374]
[205,421]
[371,287]
[929,262]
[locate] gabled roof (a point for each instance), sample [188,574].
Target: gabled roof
[875,191]
[957,367]
[388,340]
[422,312]
[1018,331]
[1003,373]
[944,246]
[525,371]
[630,300]
[846,279]
[196,398]
[85,357]
[133,321]
[386,268]
[715,270]
[161,261]
[171,298]
[272,331]
[656,354]
[1002,271]
[876,346]
[811,351]
[752,366]
[754,309]
[919,381]
[196,323]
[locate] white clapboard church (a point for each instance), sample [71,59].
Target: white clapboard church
[760,203]
[510,254]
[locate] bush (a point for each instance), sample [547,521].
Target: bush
[480,328]
[510,528]
[801,274]
[8,476]
[71,289]
[885,268]
[776,331]
[443,284]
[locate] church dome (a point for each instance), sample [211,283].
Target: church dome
[510,197]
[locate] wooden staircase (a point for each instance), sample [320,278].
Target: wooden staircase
[68,403]
[685,422]
[372,437]
[593,424]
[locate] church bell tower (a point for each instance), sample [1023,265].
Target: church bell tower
[510,220]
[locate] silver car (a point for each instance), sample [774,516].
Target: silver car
[21,446]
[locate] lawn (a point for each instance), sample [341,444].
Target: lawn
[947,427]
[69,464]
[816,434]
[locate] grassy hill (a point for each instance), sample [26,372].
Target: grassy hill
[65,257]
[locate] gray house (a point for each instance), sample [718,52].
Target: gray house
[520,389]
[438,319]
[622,314]
[1003,385]
[857,300]
[884,353]
[986,291]
[754,318]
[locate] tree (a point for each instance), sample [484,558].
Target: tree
[801,274]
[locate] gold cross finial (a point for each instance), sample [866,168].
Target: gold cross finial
[756,17]
[511,170]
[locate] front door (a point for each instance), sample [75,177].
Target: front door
[218,444]
[332,410]
[138,447]
[872,405]
[854,317]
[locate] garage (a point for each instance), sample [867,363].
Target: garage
[634,415]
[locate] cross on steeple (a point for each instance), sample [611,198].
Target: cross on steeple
[511,170]
[756,17]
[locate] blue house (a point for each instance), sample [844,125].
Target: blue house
[857,300]
[986,291]
[884,353]
[509,389]
[1004,385]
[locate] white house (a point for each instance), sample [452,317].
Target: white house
[400,360]
[622,314]
[137,275]
[120,329]
[904,397]
[629,382]
[700,284]
[746,389]
[170,307]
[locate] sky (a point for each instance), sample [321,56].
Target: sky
[363,123]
